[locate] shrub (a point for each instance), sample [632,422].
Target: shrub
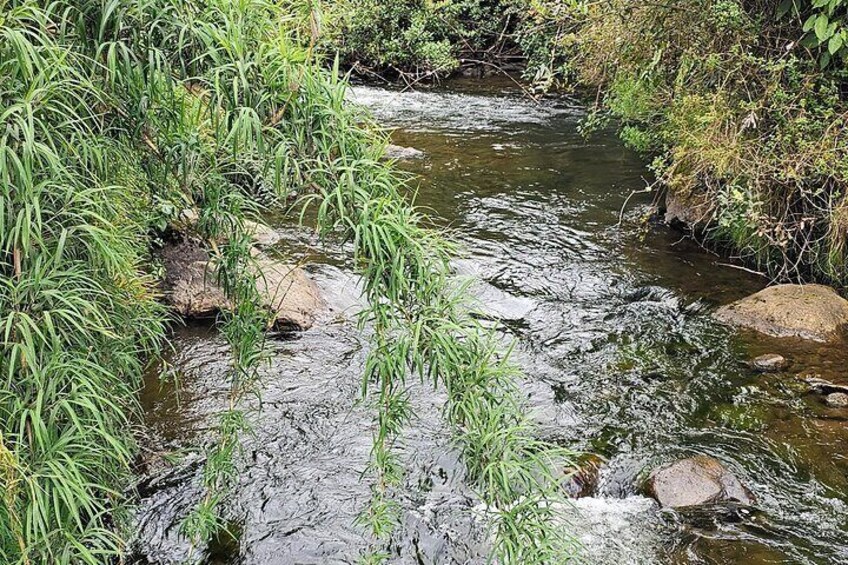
[742,101]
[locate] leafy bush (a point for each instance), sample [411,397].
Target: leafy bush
[742,101]
[419,36]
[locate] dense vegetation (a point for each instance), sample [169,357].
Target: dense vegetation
[743,105]
[419,39]
[115,117]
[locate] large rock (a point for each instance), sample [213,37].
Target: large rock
[289,293]
[696,481]
[810,311]
[191,287]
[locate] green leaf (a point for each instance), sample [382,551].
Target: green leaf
[822,28]
[835,43]
[808,25]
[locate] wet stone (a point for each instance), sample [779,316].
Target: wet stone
[769,363]
[192,290]
[583,481]
[696,481]
[399,152]
[837,400]
[811,311]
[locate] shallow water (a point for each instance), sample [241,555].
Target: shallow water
[612,320]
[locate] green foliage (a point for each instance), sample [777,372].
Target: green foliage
[824,26]
[740,102]
[116,116]
[420,36]
[78,312]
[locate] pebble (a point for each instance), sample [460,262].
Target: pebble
[769,363]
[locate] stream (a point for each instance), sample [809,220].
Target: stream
[611,316]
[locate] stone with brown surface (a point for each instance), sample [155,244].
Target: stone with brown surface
[289,293]
[810,311]
[696,481]
[191,287]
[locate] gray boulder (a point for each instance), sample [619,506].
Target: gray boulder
[696,481]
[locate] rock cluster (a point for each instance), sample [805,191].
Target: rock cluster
[191,288]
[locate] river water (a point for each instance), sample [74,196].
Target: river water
[611,318]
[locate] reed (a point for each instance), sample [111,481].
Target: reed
[115,116]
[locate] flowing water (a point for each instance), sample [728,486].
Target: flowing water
[612,319]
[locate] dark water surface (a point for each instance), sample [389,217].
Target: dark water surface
[612,321]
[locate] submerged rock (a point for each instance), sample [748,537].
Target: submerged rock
[583,481]
[399,152]
[810,311]
[837,400]
[192,290]
[696,481]
[769,363]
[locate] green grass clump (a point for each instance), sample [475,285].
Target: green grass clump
[114,117]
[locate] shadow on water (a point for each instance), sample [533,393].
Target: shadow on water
[614,333]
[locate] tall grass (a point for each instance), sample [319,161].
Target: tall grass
[77,311]
[113,116]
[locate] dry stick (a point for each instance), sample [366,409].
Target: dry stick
[647,190]
[741,268]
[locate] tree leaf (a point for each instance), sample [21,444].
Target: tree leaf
[808,25]
[822,28]
[835,43]
[824,60]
